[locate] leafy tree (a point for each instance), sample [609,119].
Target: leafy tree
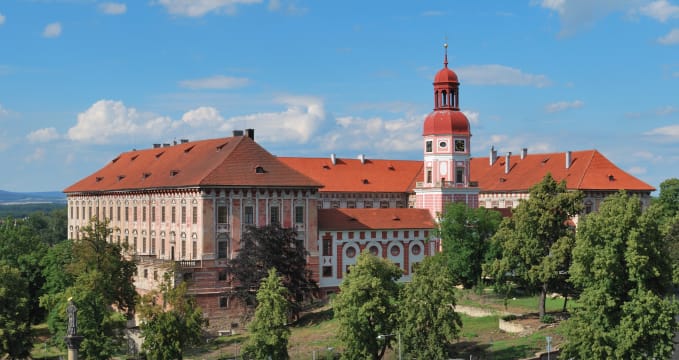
[465,233]
[170,327]
[669,196]
[622,266]
[99,278]
[536,241]
[269,247]
[268,331]
[15,326]
[428,321]
[672,242]
[366,306]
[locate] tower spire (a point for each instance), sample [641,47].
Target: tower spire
[445,57]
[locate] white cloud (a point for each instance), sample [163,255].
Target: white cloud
[198,8]
[637,170]
[52,30]
[3,111]
[297,123]
[472,116]
[2,19]
[215,82]
[577,14]
[666,110]
[203,116]
[107,120]
[660,10]
[37,155]
[274,5]
[374,135]
[563,105]
[43,135]
[665,134]
[112,8]
[647,156]
[504,143]
[670,38]
[494,74]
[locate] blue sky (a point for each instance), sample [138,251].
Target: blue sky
[83,80]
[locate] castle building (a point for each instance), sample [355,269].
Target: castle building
[185,206]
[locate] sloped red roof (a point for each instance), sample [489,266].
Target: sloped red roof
[216,162]
[374,219]
[350,175]
[589,170]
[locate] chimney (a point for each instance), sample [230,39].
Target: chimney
[250,133]
[507,157]
[166,145]
[492,156]
[524,153]
[155,146]
[184,141]
[362,158]
[333,158]
[568,159]
[237,133]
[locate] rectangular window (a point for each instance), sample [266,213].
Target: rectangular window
[249,215]
[222,215]
[71,210]
[194,250]
[183,214]
[143,245]
[327,247]
[174,214]
[134,244]
[299,214]
[327,271]
[153,214]
[110,213]
[194,215]
[127,213]
[134,213]
[89,212]
[351,204]
[459,175]
[162,214]
[275,215]
[429,176]
[153,246]
[224,302]
[118,214]
[222,249]
[162,247]
[222,275]
[384,204]
[368,204]
[143,214]
[77,213]
[183,249]
[428,146]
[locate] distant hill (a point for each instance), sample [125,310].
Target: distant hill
[47,197]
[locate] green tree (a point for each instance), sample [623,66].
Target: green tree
[366,306]
[465,233]
[269,332]
[622,266]
[15,326]
[171,325]
[536,241]
[428,322]
[99,278]
[669,196]
[272,246]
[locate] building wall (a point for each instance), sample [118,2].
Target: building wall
[340,249]
[350,200]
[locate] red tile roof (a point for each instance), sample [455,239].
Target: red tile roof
[350,175]
[589,170]
[230,161]
[374,219]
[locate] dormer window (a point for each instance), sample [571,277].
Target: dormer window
[174,172]
[120,177]
[99,178]
[259,170]
[188,149]
[145,175]
[133,158]
[159,154]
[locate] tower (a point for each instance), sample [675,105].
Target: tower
[446,146]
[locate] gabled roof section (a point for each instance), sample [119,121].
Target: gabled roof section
[374,219]
[216,162]
[589,170]
[352,175]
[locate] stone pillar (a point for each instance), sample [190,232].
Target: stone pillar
[73,344]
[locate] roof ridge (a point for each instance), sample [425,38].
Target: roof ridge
[218,164]
[582,177]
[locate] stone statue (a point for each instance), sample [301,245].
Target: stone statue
[72,311]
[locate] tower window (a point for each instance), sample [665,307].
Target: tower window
[459,146]
[428,175]
[428,146]
[459,175]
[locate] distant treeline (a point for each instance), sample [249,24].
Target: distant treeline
[22,210]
